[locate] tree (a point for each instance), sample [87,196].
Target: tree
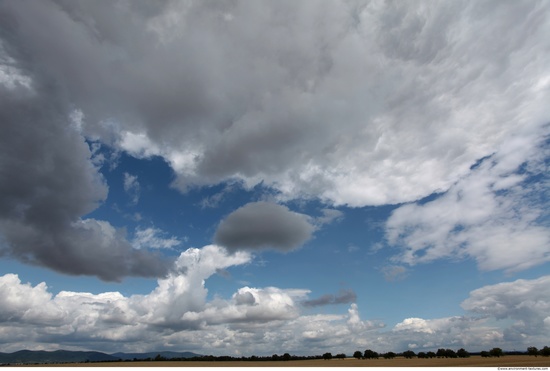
[440,353]
[449,353]
[462,353]
[422,355]
[430,354]
[545,351]
[340,356]
[286,357]
[496,352]
[327,356]
[409,354]
[389,355]
[357,354]
[533,351]
[275,357]
[370,354]
[485,354]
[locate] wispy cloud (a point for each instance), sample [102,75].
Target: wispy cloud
[154,238]
[343,297]
[394,272]
[329,216]
[132,187]
[495,214]
[214,200]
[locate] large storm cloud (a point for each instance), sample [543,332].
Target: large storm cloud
[354,103]
[48,184]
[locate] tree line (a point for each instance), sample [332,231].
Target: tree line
[447,353]
[367,354]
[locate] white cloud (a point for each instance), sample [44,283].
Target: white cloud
[153,238]
[329,216]
[214,200]
[177,305]
[132,187]
[526,302]
[178,315]
[495,214]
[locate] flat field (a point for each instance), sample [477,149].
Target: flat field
[474,361]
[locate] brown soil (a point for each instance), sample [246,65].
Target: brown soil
[474,361]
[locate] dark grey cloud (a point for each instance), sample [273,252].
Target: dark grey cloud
[261,225]
[343,297]
[48,182]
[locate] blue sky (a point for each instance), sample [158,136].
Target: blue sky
[237,178]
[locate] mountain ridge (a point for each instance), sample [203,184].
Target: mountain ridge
[26,356]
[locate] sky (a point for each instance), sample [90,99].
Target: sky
[256,178]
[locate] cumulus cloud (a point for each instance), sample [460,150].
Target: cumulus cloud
[260,225]
[526,302]
[448,332]
[179,303]
[177,314]
[357,104]
[497,214]
[343,297]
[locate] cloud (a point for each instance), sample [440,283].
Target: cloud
[355,104]
[394,272]
[132,187]
[329,216]
[261,225]
[179,303]
[252,321]
[177,314]
[343,297]
[152,238]
[214,200]
[497,214]
[526,302]
[50,183]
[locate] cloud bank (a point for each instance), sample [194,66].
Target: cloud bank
[178,315]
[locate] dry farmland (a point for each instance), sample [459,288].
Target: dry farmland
[474,361]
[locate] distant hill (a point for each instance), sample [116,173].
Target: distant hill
[57,356]
[152,355]
[68,356]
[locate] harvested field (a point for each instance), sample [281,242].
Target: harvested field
[474,361]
